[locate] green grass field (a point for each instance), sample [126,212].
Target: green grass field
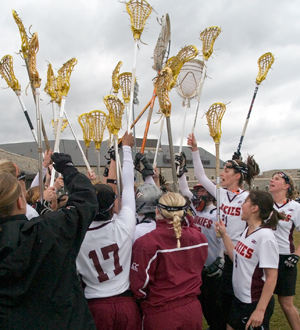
[278,320]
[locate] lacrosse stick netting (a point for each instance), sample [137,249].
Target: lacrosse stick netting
[175,63]
[7,72]
[115,78]
[214,117]
[163,41]
[188,81]
[208,38]
[33,48]
[24,38]
[87,128]
[264,64]
[99,122]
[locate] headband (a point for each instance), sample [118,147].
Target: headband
[233,164]
[286,179]
[172,208]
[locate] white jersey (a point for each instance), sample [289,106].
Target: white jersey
[104,258]
[230,202]
[31,212]
[105,255]
[144,228]
[231,211]
[285,228]
[251,255]
[206,221]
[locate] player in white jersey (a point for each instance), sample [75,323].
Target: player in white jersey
[205,218]
[255,258]
[105,255]
[232,196]
[283,191]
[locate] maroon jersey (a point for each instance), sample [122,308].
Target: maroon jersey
[160,272]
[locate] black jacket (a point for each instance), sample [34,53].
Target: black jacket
[39,288]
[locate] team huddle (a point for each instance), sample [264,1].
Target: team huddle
[150,258]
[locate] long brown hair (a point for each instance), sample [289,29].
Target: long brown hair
[10,191]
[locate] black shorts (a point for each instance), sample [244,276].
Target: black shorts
[240,313]
[287,277]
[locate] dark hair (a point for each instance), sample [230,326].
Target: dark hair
[265,203]
[247,170]
[106,198]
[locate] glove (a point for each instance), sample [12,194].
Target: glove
[180,162]
[61,161]
[236,155]
[291,261]
[148,168]
[215,269]
[112,154]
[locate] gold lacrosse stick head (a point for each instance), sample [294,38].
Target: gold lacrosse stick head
[264,63]
[162,85]
[139,11]
[98,119]
[175,63]
[115,77]
[50,84]
[87,128]
[64,75]
[115,109]
[208,37]
[125,85]
[214,117]
[7,72]
[64,124]
[32,51]
[24,38]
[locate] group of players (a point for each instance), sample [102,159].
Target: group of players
[148,259]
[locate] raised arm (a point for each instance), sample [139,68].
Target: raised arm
[184,188]
[128,198]
[198,167]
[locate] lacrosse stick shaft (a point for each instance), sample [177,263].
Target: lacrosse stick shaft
[79,145]
[98,162]
[40,147]
[199,96]
[54,117]
[27,117]
[183,126]
[158,141]
[217,145]
[117,170]
[34,97]
[175,186]
[148,121]
[247,119]
[138,117]
[132,84]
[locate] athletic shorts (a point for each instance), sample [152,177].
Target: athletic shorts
[287,277]
[240,313]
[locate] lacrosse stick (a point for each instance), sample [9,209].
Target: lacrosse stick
[139,11]
[52,90]
[33,48]
[63,86]
[99,123]
[175,63]
[7,72]
[214,117]
[162,85]
[188,81]
[264,64]
[115,109]
[87,130]
[115,78]
[161,49]
[208,37]
[125,83]
[24,52]
[64,125]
